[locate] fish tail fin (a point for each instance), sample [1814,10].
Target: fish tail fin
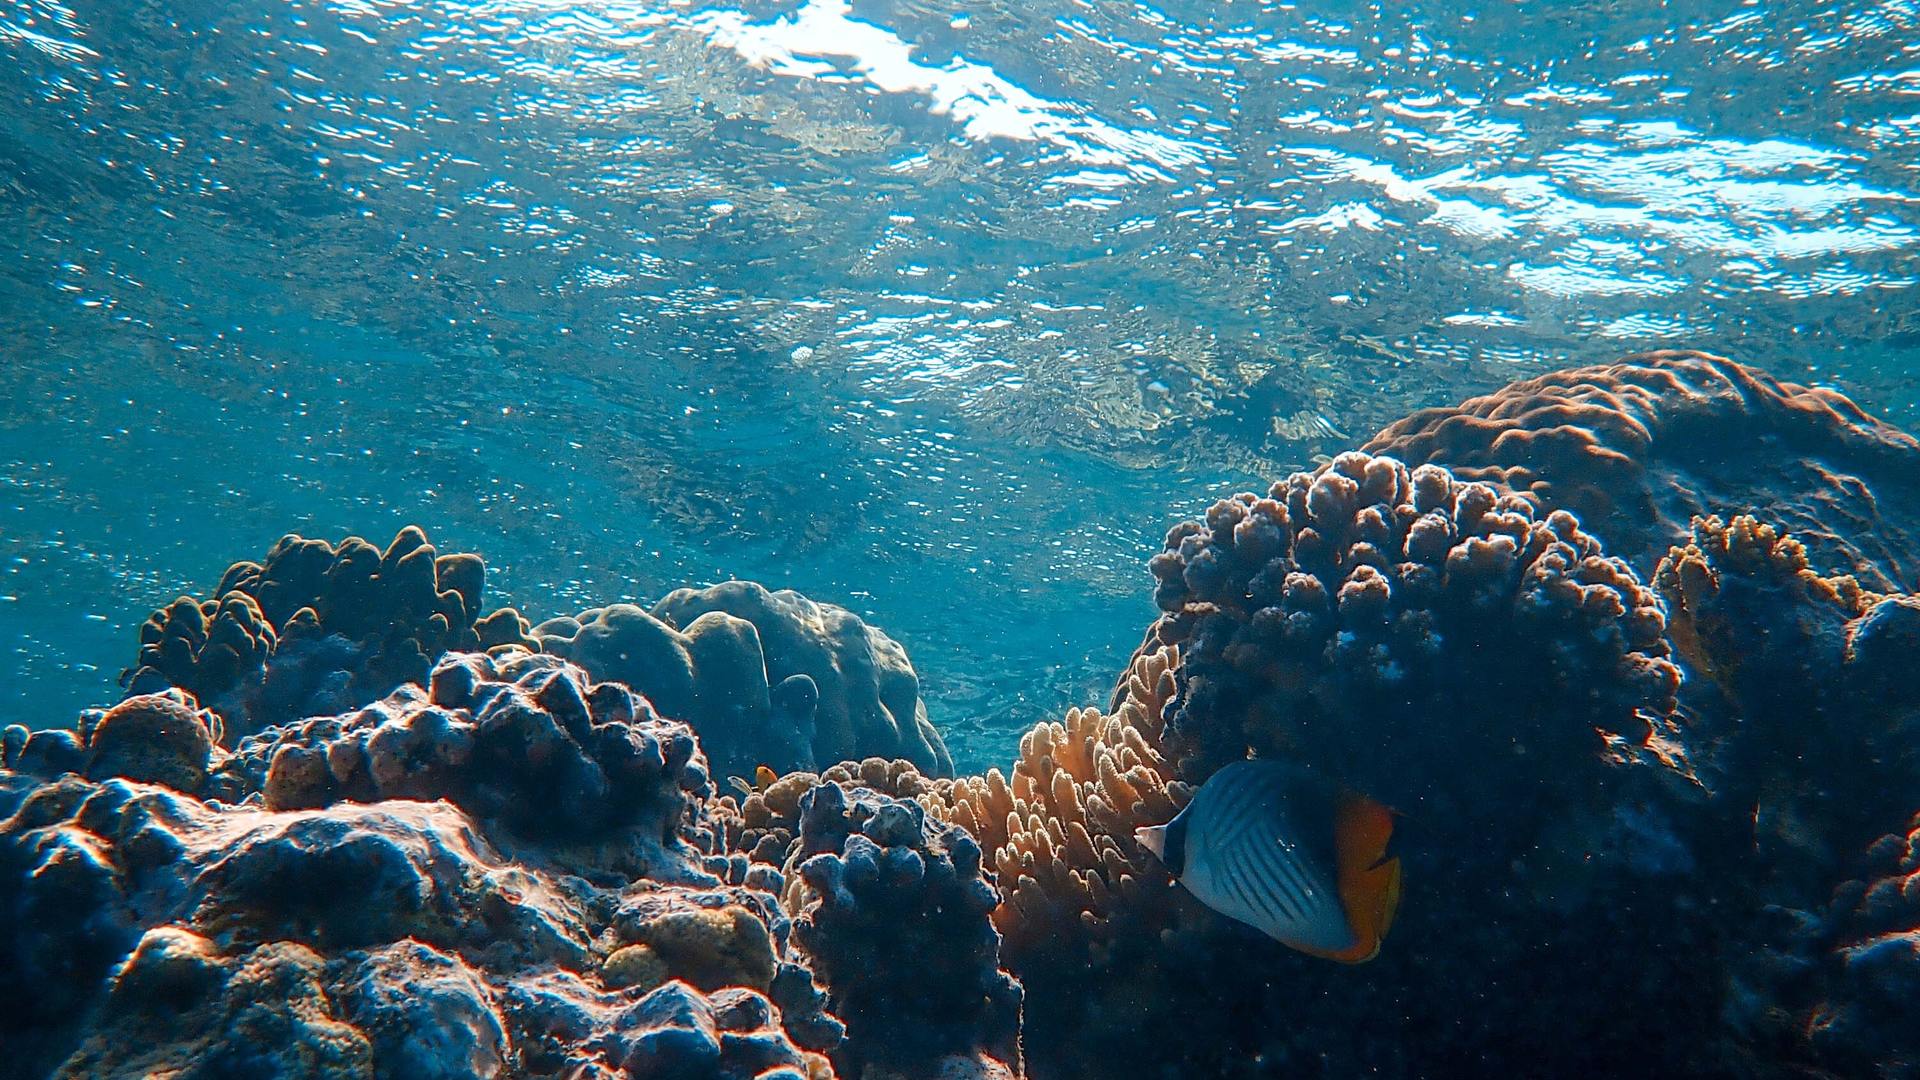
[1369,873]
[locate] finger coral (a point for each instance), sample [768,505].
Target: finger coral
[1639,448]
[1360,618]
[1059,833]
[877,881]
[767,678]
[317,628]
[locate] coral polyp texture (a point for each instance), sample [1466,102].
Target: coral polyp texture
[879,881]
[1639,448]
[1389,625]
[341,825]
[1059,832]
[316,628]
[504,873]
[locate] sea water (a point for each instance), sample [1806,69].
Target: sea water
[940,311]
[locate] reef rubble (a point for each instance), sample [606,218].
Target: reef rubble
[1641,697]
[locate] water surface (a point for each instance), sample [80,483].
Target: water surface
[940,311]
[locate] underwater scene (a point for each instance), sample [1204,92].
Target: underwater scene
[981,540]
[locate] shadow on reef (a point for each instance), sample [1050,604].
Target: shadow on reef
[1630,648]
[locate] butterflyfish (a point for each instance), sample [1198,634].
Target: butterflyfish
[1289,854]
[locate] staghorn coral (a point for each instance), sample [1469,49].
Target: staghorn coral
[316,628]
[1358,619]
[1639,448]
[877,880]
[766,677]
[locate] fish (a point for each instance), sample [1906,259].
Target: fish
[1274,846]
[762,776]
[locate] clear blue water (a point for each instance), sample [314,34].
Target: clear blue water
[940,311]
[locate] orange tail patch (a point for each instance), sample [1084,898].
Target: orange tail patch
[1369,882]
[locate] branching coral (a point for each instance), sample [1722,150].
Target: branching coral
[1060,834]
[767,678]
[879,880]
[1638,448]
[316,628]
[1391,626]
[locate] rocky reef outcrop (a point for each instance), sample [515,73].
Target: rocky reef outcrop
[504,873]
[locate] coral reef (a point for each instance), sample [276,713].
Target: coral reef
[314,628]
[766,678]
[1433,643]
[342,826]
[878,881]
[1861,1022]
[515,737]
[1059,834]
[158,738]
[502,874]
[1358,620]
[1803,684]
[1806,681]
[1639,448]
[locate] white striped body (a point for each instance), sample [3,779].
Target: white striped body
[1254,846]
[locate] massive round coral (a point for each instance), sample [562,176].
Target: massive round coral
[1638,448]
[767,678]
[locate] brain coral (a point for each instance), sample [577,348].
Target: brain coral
[1638,448]
[1395,626]
[767,678]
[316,628]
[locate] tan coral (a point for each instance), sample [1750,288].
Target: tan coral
[710,948]
[1690,578]
[1059,834]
